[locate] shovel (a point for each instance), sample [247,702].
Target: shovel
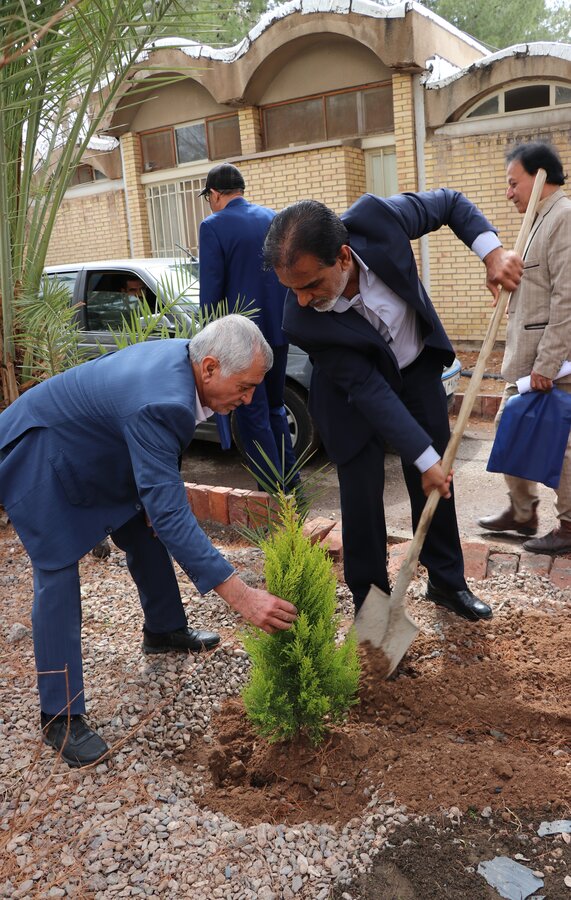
[383,620]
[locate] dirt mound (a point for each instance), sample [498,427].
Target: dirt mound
[481,720]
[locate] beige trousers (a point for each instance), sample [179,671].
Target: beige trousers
[523,493]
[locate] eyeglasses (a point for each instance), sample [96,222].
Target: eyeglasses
[206,196]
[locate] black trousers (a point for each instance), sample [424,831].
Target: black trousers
[361,483]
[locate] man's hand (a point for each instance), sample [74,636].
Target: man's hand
[434,479]
[257,606]
[504,269]
[540,382]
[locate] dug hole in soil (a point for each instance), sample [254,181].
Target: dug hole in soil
[467,747]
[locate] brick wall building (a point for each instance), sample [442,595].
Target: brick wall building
[324,104]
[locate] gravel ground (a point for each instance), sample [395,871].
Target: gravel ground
[135,826]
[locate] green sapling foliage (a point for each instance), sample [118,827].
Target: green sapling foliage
[301,680]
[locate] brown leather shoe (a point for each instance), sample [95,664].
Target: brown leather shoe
[557,541]
[505,521]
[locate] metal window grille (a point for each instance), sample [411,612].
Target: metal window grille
[175,212]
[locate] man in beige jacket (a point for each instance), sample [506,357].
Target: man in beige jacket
[538,338]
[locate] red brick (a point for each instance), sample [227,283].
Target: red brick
[485,405]
[477,407]
[502,564]
[475,559]
[199,501]
[318,528]
[218,504]
[237,506]
[333,543]
[560,574]
[258,504]
[490,405]
[188,485]
[535,563]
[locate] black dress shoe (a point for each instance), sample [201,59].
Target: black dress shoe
[74,740]
[463,603]
[102,550]
[181,640]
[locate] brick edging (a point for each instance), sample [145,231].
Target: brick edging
[237,506]
[485,405]
[484,561]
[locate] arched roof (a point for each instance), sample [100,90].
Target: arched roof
[402,37]
[448,98]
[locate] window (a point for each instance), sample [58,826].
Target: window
[111,297]
[525,97]
[530,97]
[224,137]
[487,108]
[191,143]
[175,213]
[381,171]
[294,123]
[85,174]
[158,150]
[562,94]
[337,115]
[216,138]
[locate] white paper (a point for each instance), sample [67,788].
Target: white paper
[524,384]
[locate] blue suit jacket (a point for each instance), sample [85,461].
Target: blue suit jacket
[356,381]
[88,449]
[231,265]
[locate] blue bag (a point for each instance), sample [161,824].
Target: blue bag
[532,436]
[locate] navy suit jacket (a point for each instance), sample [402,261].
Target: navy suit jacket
[231,265]
[90,448]
[356,381]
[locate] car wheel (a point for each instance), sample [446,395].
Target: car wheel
[304,436]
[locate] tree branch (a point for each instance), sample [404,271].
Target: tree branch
[6,60]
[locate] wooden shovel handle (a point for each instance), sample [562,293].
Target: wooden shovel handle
[408,566]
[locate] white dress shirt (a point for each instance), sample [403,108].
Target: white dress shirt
[396,321]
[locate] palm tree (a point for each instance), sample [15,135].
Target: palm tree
[62,64]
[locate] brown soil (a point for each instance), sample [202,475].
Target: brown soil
[476,725]
[477,719]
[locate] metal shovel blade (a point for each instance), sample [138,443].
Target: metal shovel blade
[384,622]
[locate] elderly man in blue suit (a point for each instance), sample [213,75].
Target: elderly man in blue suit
[358,308]
[231,241]
[96,451]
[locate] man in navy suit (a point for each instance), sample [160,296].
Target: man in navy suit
[357,306]
[96,451]
[231,268]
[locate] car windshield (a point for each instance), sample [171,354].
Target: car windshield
[177,281]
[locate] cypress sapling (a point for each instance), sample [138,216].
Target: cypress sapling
[301,681]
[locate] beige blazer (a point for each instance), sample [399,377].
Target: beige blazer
[539,322]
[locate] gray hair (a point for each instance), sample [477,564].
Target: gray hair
[234,341]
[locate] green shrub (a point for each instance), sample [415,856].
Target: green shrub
[301,680]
